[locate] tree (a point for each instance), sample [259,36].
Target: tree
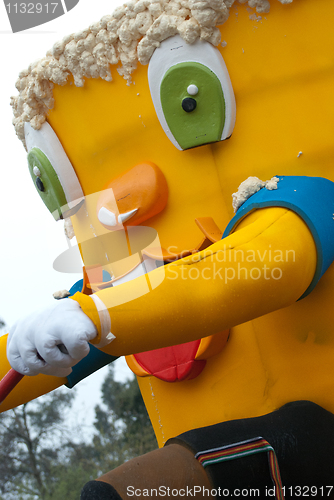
[32,444]
[2,326]
[123,425]
[39,457]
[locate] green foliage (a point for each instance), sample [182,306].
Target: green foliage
[42,458]
[32,439]
[2,330]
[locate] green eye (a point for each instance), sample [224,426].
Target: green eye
[47,183]
[192,92]
[193,119]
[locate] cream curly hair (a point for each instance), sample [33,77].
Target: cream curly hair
[129,35]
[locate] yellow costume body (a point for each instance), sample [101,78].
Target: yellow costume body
[279,349]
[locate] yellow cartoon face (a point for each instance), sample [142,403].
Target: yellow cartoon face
[279,69]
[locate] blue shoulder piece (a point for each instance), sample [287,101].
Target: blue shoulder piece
[94,360]
[312,198]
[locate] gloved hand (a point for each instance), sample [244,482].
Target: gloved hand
[32,345]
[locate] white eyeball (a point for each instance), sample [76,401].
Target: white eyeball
[52,171]
[192,92]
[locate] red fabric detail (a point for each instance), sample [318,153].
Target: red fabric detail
[172,364]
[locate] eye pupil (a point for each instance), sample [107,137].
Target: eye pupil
[40,184]
[189,104]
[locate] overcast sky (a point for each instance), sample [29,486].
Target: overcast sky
[30,238]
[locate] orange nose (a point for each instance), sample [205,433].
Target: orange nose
[133,197]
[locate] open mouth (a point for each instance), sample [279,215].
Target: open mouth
[152,255]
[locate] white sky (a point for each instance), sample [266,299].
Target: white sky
[30,239]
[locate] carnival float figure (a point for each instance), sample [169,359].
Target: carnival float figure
[138,131]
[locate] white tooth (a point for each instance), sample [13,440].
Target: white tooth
[106,217]
[124,217]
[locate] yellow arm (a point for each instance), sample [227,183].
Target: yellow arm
[267,264]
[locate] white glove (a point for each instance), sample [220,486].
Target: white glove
[36,343]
